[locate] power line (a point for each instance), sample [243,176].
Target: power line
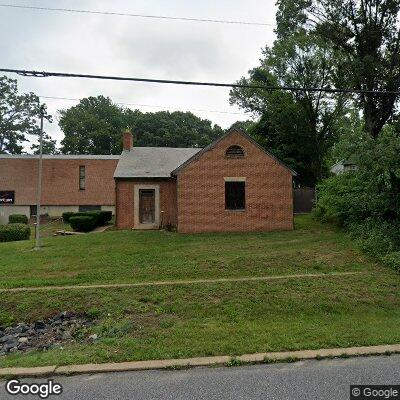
[73,10]
[149,105]
[47,74]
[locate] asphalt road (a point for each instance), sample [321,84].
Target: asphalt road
[326,379]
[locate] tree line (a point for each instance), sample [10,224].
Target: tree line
[351,44]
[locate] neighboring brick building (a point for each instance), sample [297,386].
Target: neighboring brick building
[231,185]
[70,183]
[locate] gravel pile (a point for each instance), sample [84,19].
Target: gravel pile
[63,328]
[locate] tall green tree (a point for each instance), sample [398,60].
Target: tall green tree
[94,126]
[49,146]
[18,116]
[367,35]
[171,129]
[243,125]
[299,127]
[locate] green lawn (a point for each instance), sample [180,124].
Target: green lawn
[50,227]
[203,319]
[134,256]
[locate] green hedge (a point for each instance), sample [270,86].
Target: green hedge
[67,215]
[105,216]
[83,223]
[94,214]
[14,232]
[18,219]
[98,218]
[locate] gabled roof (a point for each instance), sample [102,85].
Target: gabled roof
[215,142]
[152,162]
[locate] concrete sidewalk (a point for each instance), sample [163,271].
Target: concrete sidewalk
[179,282]
[199,361]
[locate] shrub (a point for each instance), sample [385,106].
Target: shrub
[393,260]
[67,215]
[94,214]
[14,232]
[376,237]
[340,200]
[105,216]
[82,223]
[18,219]
[367,201]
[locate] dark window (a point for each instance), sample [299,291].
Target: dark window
[234,152]
[235,195]
[89,208]
[82,177]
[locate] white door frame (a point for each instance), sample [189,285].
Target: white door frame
[136,209]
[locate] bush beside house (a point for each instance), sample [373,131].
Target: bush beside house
[67,215]
[88,220]
[82,223]
[17,219]
[14,232]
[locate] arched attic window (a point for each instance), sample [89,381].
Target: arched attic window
[234,151]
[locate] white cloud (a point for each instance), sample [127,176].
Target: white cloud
[112,45]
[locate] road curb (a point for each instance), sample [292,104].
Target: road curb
[200,361]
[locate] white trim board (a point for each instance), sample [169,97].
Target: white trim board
[136,199]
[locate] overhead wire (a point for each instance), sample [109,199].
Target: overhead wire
[47,74]
[123,14]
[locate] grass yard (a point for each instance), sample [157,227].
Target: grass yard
[202,319]
[142,256]
[50,227]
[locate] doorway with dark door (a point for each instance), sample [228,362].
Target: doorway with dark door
[147,206]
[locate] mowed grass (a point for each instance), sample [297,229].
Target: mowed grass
[210,319]
[50,227]
[133,256]
[186,320]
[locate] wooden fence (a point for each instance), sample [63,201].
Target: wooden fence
[303,200]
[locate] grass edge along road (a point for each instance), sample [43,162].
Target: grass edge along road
[220,318]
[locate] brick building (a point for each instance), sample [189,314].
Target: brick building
[231,185]
[70,183]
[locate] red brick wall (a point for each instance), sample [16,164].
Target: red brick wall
[201,191]
[125,201]
[60,181]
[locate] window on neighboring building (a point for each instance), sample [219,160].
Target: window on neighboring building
[234,152]
[235,195]
[89,208]
[82,177]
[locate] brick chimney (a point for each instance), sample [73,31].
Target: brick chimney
[127,140]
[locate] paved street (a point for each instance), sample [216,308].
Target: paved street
[326,379]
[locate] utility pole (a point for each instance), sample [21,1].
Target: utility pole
[39,186]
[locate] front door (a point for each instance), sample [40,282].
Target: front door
[147,206]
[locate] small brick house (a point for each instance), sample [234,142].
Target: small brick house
[232,185]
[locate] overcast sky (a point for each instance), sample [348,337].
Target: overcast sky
[136,47]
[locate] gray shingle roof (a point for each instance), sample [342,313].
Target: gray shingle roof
[152,162]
